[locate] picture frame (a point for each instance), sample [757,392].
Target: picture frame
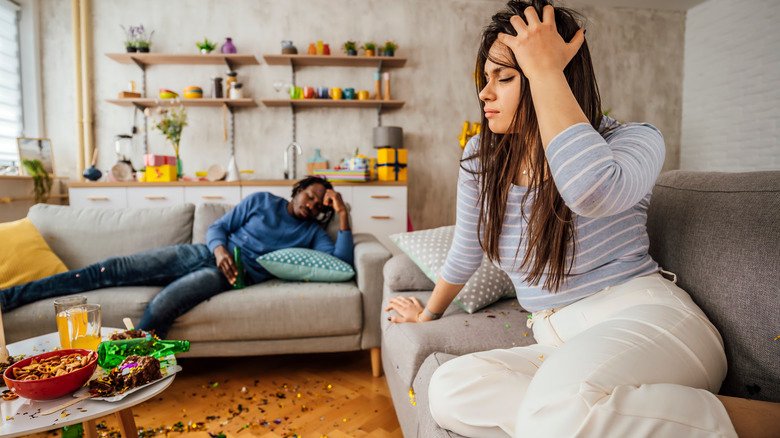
[33,148]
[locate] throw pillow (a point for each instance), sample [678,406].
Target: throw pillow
[428,249]
[302,264]
[25,256]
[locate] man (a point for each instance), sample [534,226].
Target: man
[193,273]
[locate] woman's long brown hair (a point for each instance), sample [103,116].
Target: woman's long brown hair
[550,229]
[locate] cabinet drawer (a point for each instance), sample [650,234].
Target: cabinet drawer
[379,210]
[212,195]
[145,197]
[98,197]
[281,191]
[381,201]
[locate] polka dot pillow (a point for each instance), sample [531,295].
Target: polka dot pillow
[428,249]
[303,264]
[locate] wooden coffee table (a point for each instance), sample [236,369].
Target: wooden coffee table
[20,417]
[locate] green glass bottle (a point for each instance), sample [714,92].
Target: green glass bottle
[239,284]
[112,353]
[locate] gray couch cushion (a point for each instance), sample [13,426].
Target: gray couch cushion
[205,215]
[402,274]
[274,310]
[82,236]
[720,233]
[37,318]
[502,325]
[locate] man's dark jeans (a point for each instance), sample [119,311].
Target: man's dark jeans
[188,273]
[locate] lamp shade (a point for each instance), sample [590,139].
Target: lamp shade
[388,136]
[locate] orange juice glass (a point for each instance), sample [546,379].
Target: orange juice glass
[84,324]
[60,306]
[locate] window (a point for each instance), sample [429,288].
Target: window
[11,122]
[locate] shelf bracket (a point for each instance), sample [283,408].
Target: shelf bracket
[230,65]
[139,63]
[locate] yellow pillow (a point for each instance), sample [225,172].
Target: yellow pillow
[25,256]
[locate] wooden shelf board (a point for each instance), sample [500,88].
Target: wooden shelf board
[204,102]
[335,60]
[236,59]
[242,183]
[329,103]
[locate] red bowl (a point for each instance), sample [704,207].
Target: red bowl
[53,387]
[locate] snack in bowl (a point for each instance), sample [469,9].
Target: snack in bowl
[133,372]
[127,334]
[51,375]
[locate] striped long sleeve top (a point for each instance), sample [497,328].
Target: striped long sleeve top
[605,177]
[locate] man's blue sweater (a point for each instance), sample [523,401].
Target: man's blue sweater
[260,224]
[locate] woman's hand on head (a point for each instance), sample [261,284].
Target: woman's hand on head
[407,309]
[538,47]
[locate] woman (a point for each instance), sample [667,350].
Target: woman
[556,195]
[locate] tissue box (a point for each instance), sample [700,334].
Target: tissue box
[164,173]
[159,160]
[391,164]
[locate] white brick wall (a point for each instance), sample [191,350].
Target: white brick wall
[731,86]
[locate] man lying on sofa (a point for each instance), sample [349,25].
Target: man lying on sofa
[193,273]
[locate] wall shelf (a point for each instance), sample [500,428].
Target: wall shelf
[145,59]
[379,62]
[329,103]
[204,102]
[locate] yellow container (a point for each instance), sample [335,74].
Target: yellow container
[389,161]
[164,173]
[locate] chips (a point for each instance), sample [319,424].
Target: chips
[52,366]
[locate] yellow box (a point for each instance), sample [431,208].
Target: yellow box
[390,160]
[388,174]
[164,173]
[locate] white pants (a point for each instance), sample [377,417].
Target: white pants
[638,359]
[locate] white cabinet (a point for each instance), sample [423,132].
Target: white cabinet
[376,209]
[144,197]
[379,210]
[280,191]
[212,194]
[99,197]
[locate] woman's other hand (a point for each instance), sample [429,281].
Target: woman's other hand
[407,308]
[538,47]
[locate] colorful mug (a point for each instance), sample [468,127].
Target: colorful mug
[322,93]
[362,95]
[349,93]
[296,92]
[309,93]
[335,93]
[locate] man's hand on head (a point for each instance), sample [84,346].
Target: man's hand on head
[333,199]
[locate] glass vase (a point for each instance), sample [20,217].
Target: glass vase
[179,173]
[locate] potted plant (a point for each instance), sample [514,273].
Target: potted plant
[171,123]
[350,48]
[369,48]
[206,46]
[136,39]
[41,179]
[389,48]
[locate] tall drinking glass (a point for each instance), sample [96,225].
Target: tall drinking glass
[60,306]
[84,324]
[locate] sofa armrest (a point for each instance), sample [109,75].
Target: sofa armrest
[370,258]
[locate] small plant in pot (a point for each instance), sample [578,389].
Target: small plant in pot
[369,47]
[206,46]
[389,48]
[350,48]
[136,39]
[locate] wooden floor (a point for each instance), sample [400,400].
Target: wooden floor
[316,395]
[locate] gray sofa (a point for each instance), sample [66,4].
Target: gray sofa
[275,317]
[719,232]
